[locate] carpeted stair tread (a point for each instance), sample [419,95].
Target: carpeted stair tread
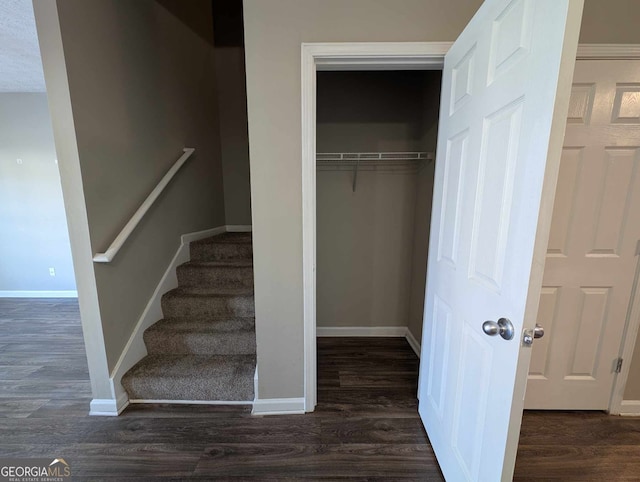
[216,274]
[202,303]
[221,263]
[225,238]
[192,377]
[229,323]
[206,291]
[226,246]
[235,336]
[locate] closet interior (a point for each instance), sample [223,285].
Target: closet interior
[376,141]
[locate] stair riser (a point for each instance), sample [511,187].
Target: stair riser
[230,343]
[201,307]
[178,389]
[216,277]
[220,252]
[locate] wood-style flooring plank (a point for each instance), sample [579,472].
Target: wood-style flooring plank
[297,429]
[357,430]
[578,462]
[578,428]
[9,372]
[63,408]
[66,372]
[116,460]
[28,388]
[20,407]
[393,461]
[48,431]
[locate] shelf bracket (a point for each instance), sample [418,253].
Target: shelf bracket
[355,174]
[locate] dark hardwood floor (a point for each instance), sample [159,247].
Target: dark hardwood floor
[365,426]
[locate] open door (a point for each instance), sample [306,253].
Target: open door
[505,93]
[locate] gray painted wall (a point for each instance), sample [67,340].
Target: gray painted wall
[373,111]
[364,248]
[274,31]
[33,226]
[234,136]
[130,85]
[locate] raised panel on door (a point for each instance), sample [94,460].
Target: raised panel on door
[494,194]
[581,103]
[592,312]
[613,200]
[565,199]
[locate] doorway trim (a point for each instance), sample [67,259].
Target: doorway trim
[339,56]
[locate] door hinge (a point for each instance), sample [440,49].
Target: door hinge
[619,365]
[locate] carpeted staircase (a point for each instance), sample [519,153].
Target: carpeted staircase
[205,347]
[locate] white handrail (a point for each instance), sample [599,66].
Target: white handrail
[110,253]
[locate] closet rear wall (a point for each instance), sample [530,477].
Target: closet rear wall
[366,261]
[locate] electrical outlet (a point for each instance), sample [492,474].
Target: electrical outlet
[52,271]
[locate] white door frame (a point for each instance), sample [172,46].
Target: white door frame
[396,56]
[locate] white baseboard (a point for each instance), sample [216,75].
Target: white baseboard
[278,406]
[238,228]
[194,402]
[229,228]
[187,238]
[39,294]
[255,384]
[413,342]
[396,331]
[108,407]
[135,349]
[630,408]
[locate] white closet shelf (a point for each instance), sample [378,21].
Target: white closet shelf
[373,161]
[391,162]
[373,156]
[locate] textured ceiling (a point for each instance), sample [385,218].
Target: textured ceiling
[20,65]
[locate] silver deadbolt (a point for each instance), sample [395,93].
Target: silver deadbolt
[529,335]
[503,327]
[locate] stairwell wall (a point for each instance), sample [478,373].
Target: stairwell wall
[232,106]
[142,87]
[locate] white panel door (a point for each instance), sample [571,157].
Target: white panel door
[505,83]
[591,258]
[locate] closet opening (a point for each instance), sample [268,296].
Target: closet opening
[376,134]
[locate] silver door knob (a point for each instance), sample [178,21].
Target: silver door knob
[503,327]
[538,331]
[529,335]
